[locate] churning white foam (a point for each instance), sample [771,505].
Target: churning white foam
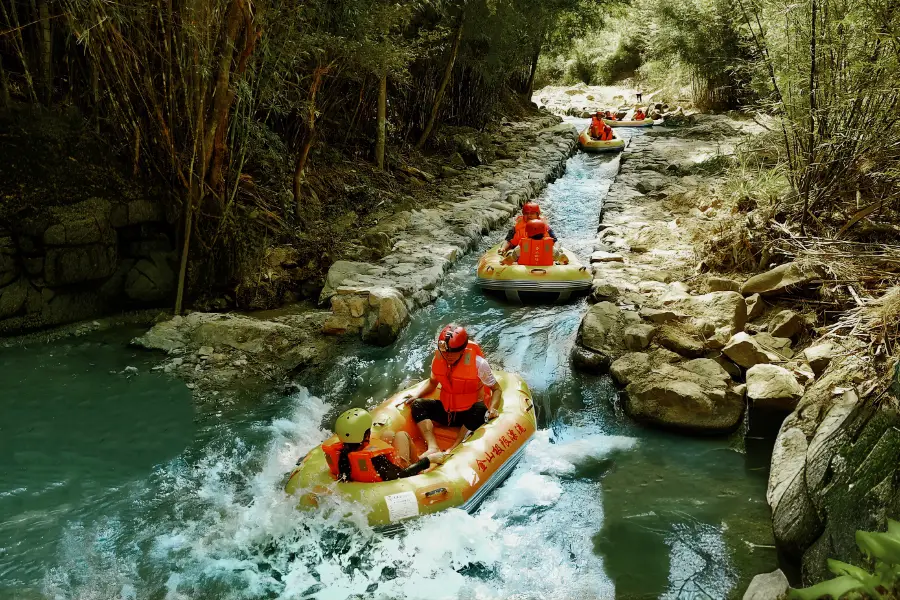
[233,533]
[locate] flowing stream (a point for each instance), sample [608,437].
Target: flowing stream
[113,486]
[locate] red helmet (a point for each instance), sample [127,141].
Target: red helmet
[535,227]
[531,207]
[453,338]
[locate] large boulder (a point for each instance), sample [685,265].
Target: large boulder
[819,356]
[694,396]
[767,586]
[602,333]
[781,278]
[834,470]
[748,350]
[786,324]
[82,223]
[12,298]
[339,274]
[719,315]
[65,265]
[386,318]
[150,279]
[773,387]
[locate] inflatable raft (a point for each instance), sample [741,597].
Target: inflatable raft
[560,280]
[589,144]
[466,477]
[643,123]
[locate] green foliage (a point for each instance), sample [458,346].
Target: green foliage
[883,549]
[624,61]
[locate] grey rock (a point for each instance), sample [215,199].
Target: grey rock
[755,306]
[773,387]
[767,586]
[12,298]
[150,279]
[819,356]
[744,350]
[786,324]
[680,341]
[722,284]
[780,279]
[639,336]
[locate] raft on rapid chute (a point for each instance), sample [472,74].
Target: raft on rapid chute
[466,477]
[561,280]
[590,144]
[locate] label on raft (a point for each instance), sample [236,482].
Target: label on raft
[402,505]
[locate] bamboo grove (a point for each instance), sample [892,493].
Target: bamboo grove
[223,101]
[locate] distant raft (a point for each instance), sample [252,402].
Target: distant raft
[559,281]
[464,480]
[589,144]
[644,123]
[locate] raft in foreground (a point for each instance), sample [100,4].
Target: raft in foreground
[643,123]
[559,280]
[467,476]
[589,144]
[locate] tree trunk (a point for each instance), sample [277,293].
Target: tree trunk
[4,86]
[382,112]
[46,49]
[318,73]
[810,142]
[443,87]
[185,246]
[529,87]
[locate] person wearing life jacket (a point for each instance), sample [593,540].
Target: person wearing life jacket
[610,116]
[597,125]
[639,115]
[530,211]
[606,132]
[537,249]
[357,456]
[467,386]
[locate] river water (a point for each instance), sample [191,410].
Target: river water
[113,486]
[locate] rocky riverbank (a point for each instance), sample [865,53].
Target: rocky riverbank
[694,350]
[219,354]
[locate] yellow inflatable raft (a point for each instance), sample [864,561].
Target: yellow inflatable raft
[466,477]
[589,144]
[643,123]
[562,280]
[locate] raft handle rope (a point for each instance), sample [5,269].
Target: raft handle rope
[539,271]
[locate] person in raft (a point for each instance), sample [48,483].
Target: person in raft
[467,387]
[530,211]
[537,249]
[600,130]
[610,116]
[357,456]
[639,114]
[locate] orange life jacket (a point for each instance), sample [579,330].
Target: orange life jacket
[519,234]
[361,468]
[639,116]
[537,253]
[596,127]
[460,383]
[606,133]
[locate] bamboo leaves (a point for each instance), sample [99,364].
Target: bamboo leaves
[883,548]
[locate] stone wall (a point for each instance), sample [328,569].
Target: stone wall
[81,261]
[374,299]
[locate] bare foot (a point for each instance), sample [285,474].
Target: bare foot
[436,458]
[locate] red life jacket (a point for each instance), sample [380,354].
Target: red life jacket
[361,468]
[460,383]
[538,253]
[639,116]
[596,127]
[606,133]
[519,234]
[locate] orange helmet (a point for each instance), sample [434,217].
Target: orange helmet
[531,207]
[453,338]
[535,227]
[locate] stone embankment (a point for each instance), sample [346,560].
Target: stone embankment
[219,354]
[81,261]
[664,334]
[693,350]
[374,300]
